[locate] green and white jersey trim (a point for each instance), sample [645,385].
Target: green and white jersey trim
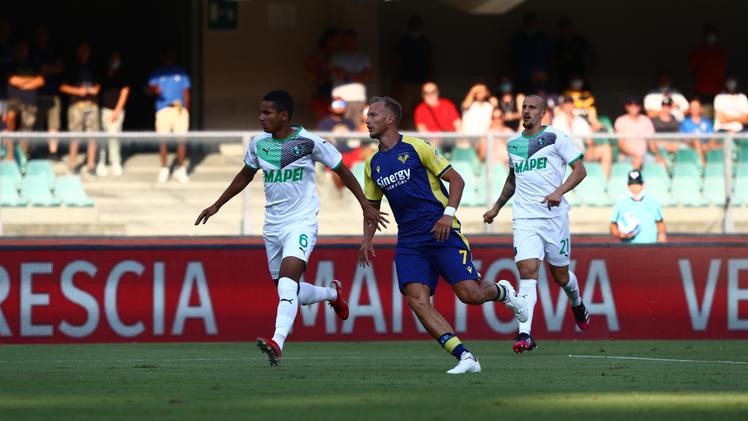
[539,163]
[288,173]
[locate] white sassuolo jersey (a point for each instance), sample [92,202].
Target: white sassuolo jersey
[288,172]
[539,164]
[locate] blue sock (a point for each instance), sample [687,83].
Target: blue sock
[501,293]
[452,344]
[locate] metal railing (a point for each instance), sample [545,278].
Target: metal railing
[490,139]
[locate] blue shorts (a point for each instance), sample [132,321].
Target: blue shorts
[424,262]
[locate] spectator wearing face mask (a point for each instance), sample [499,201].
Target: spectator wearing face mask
[731,109]
[584,102]
[509,103]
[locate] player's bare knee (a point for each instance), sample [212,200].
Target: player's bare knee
[418,303]
[560,274]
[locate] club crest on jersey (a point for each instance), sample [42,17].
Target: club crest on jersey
[298,150]
[402,157]
[378,168]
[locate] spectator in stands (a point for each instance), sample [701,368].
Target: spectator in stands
[581,133]
[530,56]
[665,122]
[664,89]
[708,64]
[477,109]
[638,219]
[24,80]
[318,71]
[584,101]
[6,59]
[351,70]
[696,123]
[82,85]
[413,64]
[730,108]
[115,91]
[171,85]
[434,113]
[335,120]
[574,54]
[509,103]
[635,124]
[502,134]
[52,68]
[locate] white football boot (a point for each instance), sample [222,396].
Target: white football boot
[515,303]
[468,364]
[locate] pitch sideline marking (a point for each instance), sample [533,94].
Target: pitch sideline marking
[671,360]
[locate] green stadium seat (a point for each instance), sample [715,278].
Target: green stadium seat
[41,167]
[687,156]
[715,156]
[686,184]
[470,193]
[618,182]
[741,169]
[9,170]
[714,184]
[358,172]
[657,183]
[742,148]
[740,185]
[9,192]
[465,155]
[36,190]
[71,193]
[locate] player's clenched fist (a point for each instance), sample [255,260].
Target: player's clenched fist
[442,228]
[490,214]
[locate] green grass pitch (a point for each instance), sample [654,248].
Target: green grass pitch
[676,380]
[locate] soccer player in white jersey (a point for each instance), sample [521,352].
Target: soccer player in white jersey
[540,217]
[286,155]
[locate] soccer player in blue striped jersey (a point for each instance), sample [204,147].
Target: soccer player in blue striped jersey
[408,171]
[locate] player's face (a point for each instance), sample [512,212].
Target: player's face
[270,119]
[378,119]
[532,112]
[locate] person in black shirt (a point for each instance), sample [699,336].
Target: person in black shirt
[114,93]
[23,82]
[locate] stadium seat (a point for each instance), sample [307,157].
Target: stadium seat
[714,184]
[70,192]
[465,155]
[41,167]
[36,190]
[9,170]
[470,193]
[740,186]
[687,155]
[618,182]
[9,192]
[358,172]
[715,156]
[686,184]
[657,183]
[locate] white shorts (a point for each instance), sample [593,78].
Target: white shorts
[295,240]
[543,237]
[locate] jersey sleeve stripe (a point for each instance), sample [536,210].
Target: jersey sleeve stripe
[444,170]
[580,156]
[335,168]
[251,166]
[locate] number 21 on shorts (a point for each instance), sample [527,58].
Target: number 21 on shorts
[565,247]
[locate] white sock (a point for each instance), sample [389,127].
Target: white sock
[528,288]
[288,306]
[572,290]
[310,294]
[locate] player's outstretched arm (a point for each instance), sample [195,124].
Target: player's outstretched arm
[372,215]
[240,181]
[506,193]
[578,172]
[366,245]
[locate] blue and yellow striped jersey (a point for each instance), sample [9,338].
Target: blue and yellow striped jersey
[408,175]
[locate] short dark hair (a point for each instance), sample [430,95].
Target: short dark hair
[391,104]
[281,100]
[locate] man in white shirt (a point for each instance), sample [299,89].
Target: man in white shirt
[540,216]
[581,133]
[730,109]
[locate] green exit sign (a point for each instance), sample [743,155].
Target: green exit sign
[223,15]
